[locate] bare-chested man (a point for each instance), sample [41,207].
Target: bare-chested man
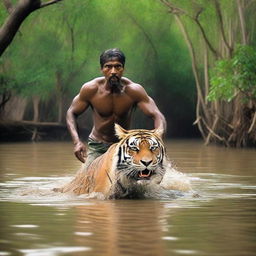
[112,99]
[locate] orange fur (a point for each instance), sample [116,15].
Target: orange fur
[101,175]
[95,179]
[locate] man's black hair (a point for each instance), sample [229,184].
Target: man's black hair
[112,54]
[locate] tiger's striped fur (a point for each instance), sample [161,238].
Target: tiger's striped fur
[127,168]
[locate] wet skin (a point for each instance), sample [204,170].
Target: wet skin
[112,99]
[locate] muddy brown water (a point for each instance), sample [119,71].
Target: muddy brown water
[221,221]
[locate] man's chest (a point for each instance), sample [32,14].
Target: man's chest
[108,105]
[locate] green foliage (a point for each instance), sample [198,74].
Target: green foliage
[68,38]
[237,74]
[3,12]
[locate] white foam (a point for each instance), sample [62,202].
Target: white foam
[175,180]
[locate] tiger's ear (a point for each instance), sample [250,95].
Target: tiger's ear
[159,131]
[120,131]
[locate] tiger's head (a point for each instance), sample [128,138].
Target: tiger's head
[141,156]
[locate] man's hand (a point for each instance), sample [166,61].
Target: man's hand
[80,151]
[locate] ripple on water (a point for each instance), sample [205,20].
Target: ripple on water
[187,252]
[28,236]
[52,251]
[83,233]
[25,226]
[170,238]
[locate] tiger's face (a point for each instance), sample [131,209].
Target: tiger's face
[141,155]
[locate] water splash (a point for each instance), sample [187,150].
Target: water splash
[175,180]
[40,189]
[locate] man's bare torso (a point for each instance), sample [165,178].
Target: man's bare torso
[109,107]
[112,99]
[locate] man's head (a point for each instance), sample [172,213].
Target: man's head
[110,55]
[112,66]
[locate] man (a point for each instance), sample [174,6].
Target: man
[112,99]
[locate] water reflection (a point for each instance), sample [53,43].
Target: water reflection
[37,159]
[219,222]
[121,227]
[192,156]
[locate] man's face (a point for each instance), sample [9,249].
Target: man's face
[113,71]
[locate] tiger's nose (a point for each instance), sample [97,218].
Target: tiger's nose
[146,163]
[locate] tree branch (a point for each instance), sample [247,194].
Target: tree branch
[173,9]
[219,15]
[144,33]
[242,21]
[49,3]
[214,134]
[253,123]
[178,11]
[196,19]
[18,14]
[8,5]
[212,131]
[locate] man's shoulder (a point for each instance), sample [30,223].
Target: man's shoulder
[93,84]
[89,88]
[130,85]
[134,90]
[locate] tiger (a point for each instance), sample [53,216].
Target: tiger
[127,168]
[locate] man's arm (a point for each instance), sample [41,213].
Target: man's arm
[147,105]
[78,106]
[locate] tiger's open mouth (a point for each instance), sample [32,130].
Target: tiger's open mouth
[145,174]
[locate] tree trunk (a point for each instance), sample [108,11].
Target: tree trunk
[229,123]
[4,98]
[200,98]
[14,109]
[222,30]
[242,21]
[36,101]
[59,96]
[18,14]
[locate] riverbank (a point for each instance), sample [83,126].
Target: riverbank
[11,131]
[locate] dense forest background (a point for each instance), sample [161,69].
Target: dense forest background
[195,58]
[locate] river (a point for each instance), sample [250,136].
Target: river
[219,220]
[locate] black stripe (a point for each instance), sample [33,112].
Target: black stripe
[119,155]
